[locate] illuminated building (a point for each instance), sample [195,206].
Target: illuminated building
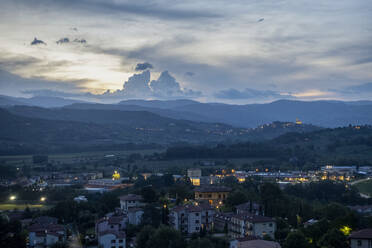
[215,195]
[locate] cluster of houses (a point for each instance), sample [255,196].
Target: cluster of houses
[247,226]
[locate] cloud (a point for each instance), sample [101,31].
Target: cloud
[82,41]
[357,89]
[137,85]
[250,94]
[63,40]
[261,20]
[190,73]
[164,11]
[52,93]
[37,42]
[167,86]
[144,66]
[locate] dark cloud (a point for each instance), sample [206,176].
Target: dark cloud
[37,42]
[361,88]
[137,8]
[250,94]
[261,20]
[82,41]
[190,73]
[144,66]
[63,40]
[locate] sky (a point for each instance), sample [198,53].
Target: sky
[233,51]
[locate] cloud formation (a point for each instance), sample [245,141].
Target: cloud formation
[37,42]
[144,66]
[63,40]
[251,94]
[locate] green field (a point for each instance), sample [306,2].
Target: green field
[5,207]
[365,187]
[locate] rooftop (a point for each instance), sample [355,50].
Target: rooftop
[362,234]
[131,197]
[212,189]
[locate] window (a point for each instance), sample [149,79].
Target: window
[197,221]
[271,224]
[113,247]
[197,228]
[197,214]
[113,241]
[120,241]
[112,226]
[200,195]
[359,243]
[121,247]
[219,196]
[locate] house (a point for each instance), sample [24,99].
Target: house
[113,223]
[135,216]
[361,239]
[111,239]
[194,175]
[192,218]
[214,195]
[253,242]
[249,208]
[221,221]
[251,225]
[46,235]
[131,201]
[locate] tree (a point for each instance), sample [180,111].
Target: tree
[148,194]
[144,236]
[295,240]
[167,237]
[151,216]
[236,198]
[334,239]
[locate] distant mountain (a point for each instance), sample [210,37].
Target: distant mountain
[318,113]
[170,104]
[55,128]
[40,101]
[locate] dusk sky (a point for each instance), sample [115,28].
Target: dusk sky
[214,51]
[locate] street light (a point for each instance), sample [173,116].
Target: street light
[12,197]
[43,199]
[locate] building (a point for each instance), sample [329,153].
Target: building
[131,201]
[102,185]
[195,176]
[192,218]
[249,208]
[253,242]
[221,221]
[361,239]
[111,239]
[113,223]
[251,225]
[46,235]
[135,216]
[214,195]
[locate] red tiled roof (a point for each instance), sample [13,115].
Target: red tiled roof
[362,234]
[118,235]
[131,197]
[212,189]
[254,218]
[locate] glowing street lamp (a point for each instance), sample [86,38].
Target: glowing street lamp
[12,197]
[43,199]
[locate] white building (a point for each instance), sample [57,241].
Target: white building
[113,223]
[251,225]
[361,239]
[41,235]
[191,218]
[111,239]
[131,201]
[135,216]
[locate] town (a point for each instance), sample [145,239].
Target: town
[45,204]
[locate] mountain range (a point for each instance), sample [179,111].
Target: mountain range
[319,113]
